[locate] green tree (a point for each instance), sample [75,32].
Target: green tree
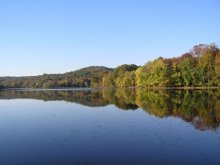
[217,68]
[119,72]
[107,80]
[207,65]
[187,70]
[153,74]
[129,79]
[176,76]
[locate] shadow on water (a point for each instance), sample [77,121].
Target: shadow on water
[199,107]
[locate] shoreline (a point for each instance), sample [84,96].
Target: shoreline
[97,88]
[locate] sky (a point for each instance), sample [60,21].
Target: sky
[58,36]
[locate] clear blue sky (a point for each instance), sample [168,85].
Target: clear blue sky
[56,36]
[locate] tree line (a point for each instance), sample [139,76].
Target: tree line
[197,68]
[200,67]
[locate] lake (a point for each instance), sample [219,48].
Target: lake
[109,126]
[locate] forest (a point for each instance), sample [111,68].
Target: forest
[200,67]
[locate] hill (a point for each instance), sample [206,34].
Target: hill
[79,78]
[89,72]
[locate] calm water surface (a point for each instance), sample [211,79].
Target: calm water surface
[109,127]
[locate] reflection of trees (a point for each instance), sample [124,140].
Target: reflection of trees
[122,98]
[154,102]
[201,108]
[184,104]
[125,99]
[91,98]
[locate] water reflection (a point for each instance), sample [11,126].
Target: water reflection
[200,107]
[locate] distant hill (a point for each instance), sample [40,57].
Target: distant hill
[6,78]
[89,72]
[79,78]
